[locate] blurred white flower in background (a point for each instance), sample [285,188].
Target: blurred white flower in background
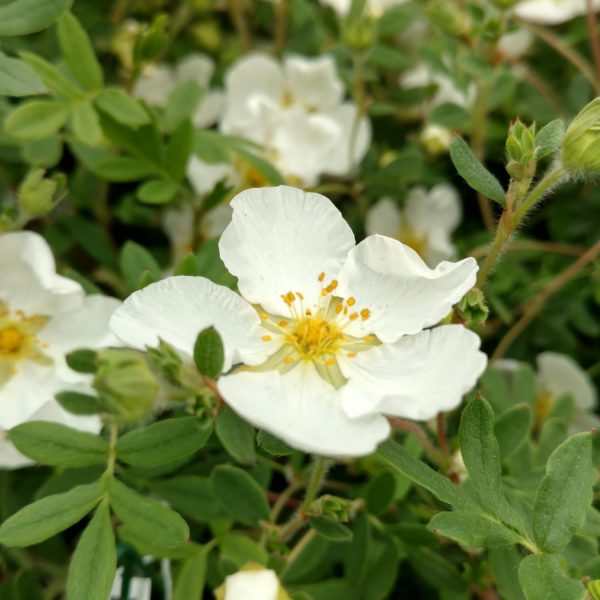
[425,223]
[296,111]
[331,336]
[43,316]
[253,582]
[515,43]
[552,12]
[140,588]
[374,7]
[158,81]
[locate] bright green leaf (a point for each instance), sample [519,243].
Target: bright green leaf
[549,137]
[21,17]
[54,79]
[85,124]
[191,577]
[121,107]
[511,428]
[236,435]
[36,119]
[18,79]
[158,191]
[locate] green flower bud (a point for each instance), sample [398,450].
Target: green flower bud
[473,307]
[151,41]
[581,144]
[330,506]
[126,385]
[360,34]
[520,143]
[36,194]
[594,589]
[448,17]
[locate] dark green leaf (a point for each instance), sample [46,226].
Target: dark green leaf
[273,445]
[54,79]
[82,361]
[179,149]
[135,260]
[121,107]
[157,191]
[182,103]
[56,444]
[379,492]
[163,442]
[542,578]
[209,354]
[388,58]
[79,404]
[18,79]
[189,582]
[21,17]
[240,495]
[511,428]
[473,172]
[330,529]
[50,515]
[93,566]
[236,435]
[549,137]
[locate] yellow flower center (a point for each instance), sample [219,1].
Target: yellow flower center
[18,340]
[316,334]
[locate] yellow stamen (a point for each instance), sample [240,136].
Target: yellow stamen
[321,276]
[267,338]
[351,301]
[365,313]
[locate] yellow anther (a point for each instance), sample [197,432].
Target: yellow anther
[308,312]
[351,354]
[324,292]
[299,294]
[365,313]
[321,276]
[353,316]
[339,308]
[330,362]
[283,323]
[332,286]
[369,338]
[290,297]
[11,340]
[351,301]
[288,360]
[264,315]
[267,338]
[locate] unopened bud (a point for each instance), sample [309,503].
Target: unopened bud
[36,194]
[125,383]
[330,506]
[473,307]
[581,144]
[360,34]
[436,139]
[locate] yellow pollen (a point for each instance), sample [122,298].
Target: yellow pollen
[330,362]
[351,301]
[264,315]
[312,337]
[11,340]
[351,354]
[300,295]
[283,323]
[288,360]
[290,297]
[353,316]
[324,292]
[369,338]
[338,309]
[308,312]
[321,276]
[365,313]
[332,286]
[267,338]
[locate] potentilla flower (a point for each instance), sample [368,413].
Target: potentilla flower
[253,582]
[296,111]
[374,7]
[425,223]
[43,316]
[328,336]
[552,12]
[158,81]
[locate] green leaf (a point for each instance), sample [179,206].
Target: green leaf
[236,435]
[79,404]
[83,360]
[473,172]
[240,495]
[148,519]
[59,445]
[330,529]
[441,487]
[21,17]
[182,103]
[190,495]
[379,492]
[565,494]
[505,563]
[163,442]
[511,428]
[54,79]
[388,58]
[122,108]
[36,119]
[85,124]
[541,579]
[134,261]
[436,570]
[472,530]
[122,168]
[179,149]
[18,79]
[190,580]
[269,443]
[78,52]
[94,563]
[50,515]
[157,191]
[241,550]
[44,153]
[209,354]
[549,137]
[188,265]
[481,455]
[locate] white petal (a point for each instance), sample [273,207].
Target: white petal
[516,43]
[439,247]
[402,293]
[252,585]
[416,377]
[313,82]
[560,374]
[216,221]
[384,218]
[85,327]
[438,209]
[552,12]
[176,309]
[279,240]
[303,143]
[28,279]
[210,109]
[342,7]
[204,176]
[355,134]
[195,67]
[155,85]
[10,457]
[303,410]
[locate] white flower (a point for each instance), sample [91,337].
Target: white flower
[425,224]
[436,139]
[42,317]
[158,81]
[330,335]
[374,7]
[552,12]
[516,43]
[253,582]
[559,374]
[423,75]
[296,111]
[140,588]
